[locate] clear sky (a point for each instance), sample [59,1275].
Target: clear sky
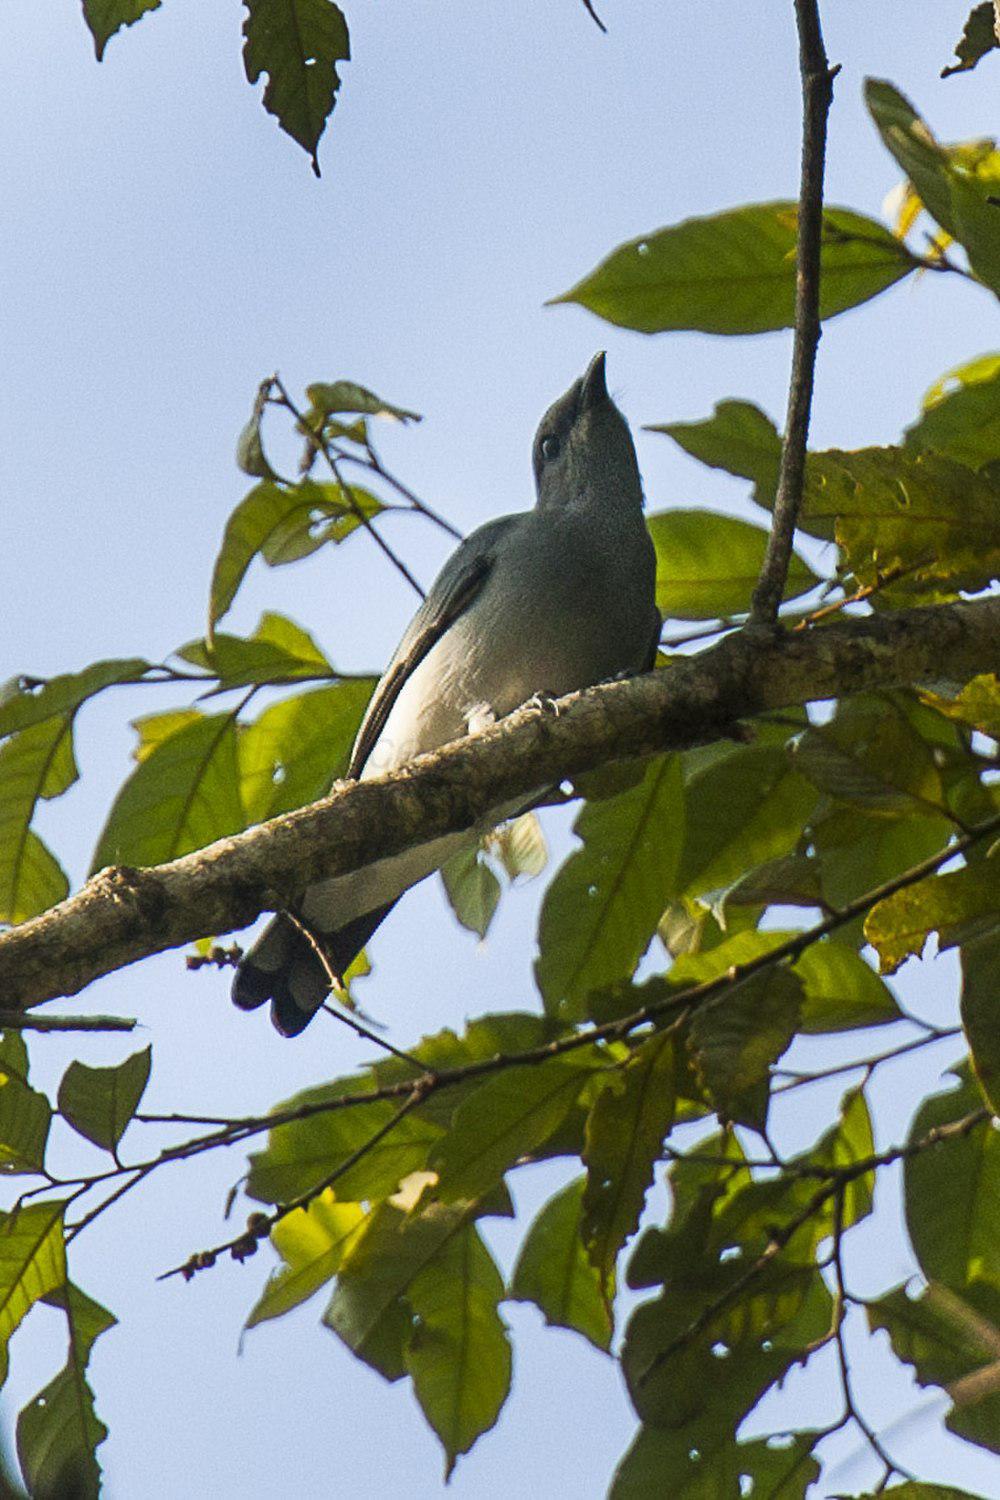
[163,246]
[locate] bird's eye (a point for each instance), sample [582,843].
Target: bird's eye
[550,446]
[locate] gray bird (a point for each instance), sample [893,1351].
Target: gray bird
[542,602]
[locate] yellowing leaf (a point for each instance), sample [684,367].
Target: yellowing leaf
[312,1242]
[951,905]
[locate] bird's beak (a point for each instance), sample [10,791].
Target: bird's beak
[593,389]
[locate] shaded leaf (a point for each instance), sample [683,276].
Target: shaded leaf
[32,1264]
[952,1203]
[978,37]
[601,910]
[554,1271]
[735,1037]
[882,766]
[734,272]
[100,1102]
[978,704]
[626,1127]
[859,850]
[278,651]
[458,1352]
[59,1431]
[980,1002]
[335,398]
[707,565]
[952,905]
[105,17]
[296,749]
[472,888]
[282,523]
[662,1461]
[36,763]
[504,1119]
[787,880]
[738,438]
[312,1242]
[951,1341]
[184,794]
[298,44]
[26,701]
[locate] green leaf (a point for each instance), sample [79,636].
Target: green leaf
[859,850]
[601,910]
[734,272]
[369,1309]
[458,1352]
[951,1341]
[736,1036]
[887,770]
[32,1264]
[707,565]
[297,748]
[105,17]
[787,880]
[279,651]
[980,1011]
[35,763]
[554,1271]
[59,1431]
[626,1128]
[849,1141]
[891,508]
[282,523]
[472,888]
[952,1205]
[502,1120]
[955,183]
[298,44]
[738,438]
[917,1490]
[334,398]
[961,415]
[100,1102]
[184,794]
[741,808]
[951,905]
[662,1461]
[978,704]
[301,1154]
[978,38]
[25,1114]
[312,1242]
[28,700]
[250,455]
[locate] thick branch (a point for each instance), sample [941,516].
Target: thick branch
[817,96]
[125,914]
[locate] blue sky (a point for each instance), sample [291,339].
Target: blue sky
[163,247]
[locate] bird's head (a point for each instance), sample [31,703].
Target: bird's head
[583,452]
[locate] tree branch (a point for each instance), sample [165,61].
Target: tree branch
[125,914]
[817,96]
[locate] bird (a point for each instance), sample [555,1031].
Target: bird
[529,606]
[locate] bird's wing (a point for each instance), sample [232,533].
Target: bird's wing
[454,589]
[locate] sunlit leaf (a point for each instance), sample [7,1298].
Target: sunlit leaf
[298,44]
[100,1102]
[338,397]
[707,565]
[961,415]
[32,1264]
[26,701]
[472,888]
[184,794]
[555,1273]
[279,651]
[952,905]
[294,750]
[458,1352]
[601,910]
[35,763]
[734,272]
[312,1243]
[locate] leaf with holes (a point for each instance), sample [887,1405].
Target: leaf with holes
[100,1102]
[734,272]
[59,1432]
[626,1128]
[555,1272]
[298,44]
[458,1352]
[601,910]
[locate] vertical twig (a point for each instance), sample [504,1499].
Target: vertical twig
[817,96]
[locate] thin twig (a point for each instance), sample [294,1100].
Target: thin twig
[592,13]
[18,1020]
[817,96]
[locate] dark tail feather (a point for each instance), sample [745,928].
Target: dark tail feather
[284,967]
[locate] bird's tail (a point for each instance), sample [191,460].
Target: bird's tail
[284,967]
